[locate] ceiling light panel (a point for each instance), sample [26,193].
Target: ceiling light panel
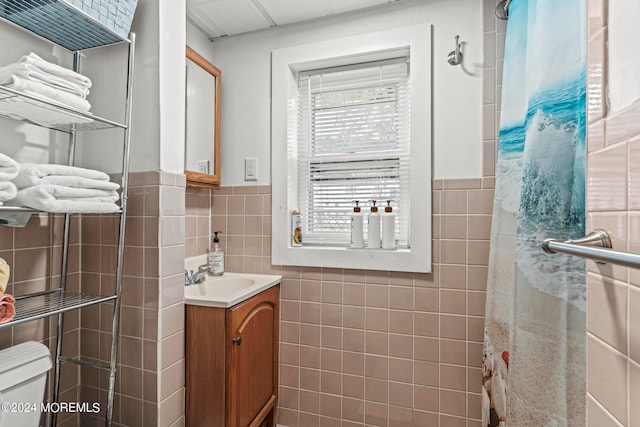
[228,16]
[288,11]
[340,6]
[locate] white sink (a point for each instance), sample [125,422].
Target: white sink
[232,283]
[229,289]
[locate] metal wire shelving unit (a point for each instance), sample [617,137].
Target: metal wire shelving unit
[31,109]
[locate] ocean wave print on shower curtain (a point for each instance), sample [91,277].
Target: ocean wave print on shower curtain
[534,355]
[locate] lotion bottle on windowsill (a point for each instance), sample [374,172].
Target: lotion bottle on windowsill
[373,229]
[357,232]
[388,227]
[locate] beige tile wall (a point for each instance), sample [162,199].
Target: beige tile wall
[613,293]
[34,254]
[150,379]
[197,221]
[368,347]
[376,347]
[493,45]
[356,363]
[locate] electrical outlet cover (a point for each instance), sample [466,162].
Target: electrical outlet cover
[251,169]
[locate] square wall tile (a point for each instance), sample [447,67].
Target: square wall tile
[634,392]
[607,179]
[607,311]
[608,386]
[598,416]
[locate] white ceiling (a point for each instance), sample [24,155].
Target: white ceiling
[218,18]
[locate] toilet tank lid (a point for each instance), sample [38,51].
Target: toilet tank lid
[23,361]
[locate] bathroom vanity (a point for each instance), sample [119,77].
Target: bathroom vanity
[232,351]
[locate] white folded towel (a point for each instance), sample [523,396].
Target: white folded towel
[8,168]
[46,92]
[57,70]
[75,182]
[8,191]
[60,199]
[32,174]
[30,72]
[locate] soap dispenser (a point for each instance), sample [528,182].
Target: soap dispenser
[357,236]
[373,228]
[388,227]
[216,257]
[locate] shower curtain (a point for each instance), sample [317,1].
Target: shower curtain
[534,351]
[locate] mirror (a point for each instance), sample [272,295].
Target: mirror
[202,139]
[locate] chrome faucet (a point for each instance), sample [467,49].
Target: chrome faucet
[191,278]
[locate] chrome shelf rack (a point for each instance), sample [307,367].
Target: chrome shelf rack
[31,109]
[46,114]
[55,301]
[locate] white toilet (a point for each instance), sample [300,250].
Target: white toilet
[23,376]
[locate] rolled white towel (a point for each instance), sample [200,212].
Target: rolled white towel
[30,72]
[32,174]
[61,192]
[60,199]
[8,191]
[46,92]
[8,168]
[57,70]
[76,182]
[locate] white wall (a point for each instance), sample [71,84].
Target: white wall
[158,108]
[157,127]
[245,62]
[199,42]
[172,84]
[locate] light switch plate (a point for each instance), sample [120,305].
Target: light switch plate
[251,169]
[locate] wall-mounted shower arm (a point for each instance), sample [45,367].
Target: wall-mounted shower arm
[596,246]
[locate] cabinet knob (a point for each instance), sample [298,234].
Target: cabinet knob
[237,340]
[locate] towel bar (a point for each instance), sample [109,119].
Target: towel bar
[596,246]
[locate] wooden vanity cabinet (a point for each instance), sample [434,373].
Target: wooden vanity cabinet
[232,363]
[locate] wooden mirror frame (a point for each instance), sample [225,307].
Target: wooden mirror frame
[197,179]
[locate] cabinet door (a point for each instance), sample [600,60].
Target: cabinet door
[252,359]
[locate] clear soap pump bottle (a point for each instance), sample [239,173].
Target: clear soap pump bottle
[216,257]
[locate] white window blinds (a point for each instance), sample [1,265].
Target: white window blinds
[353,144]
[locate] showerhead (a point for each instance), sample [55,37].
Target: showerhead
[502,10]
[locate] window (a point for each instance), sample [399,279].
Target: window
[353,144]
[346,127]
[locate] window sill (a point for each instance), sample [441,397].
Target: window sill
[286,63]
[409,260]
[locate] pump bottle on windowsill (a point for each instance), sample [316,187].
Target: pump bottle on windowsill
[373,229]
[388,227]
[357,223]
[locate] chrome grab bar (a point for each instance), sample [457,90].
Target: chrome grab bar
[596,246]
